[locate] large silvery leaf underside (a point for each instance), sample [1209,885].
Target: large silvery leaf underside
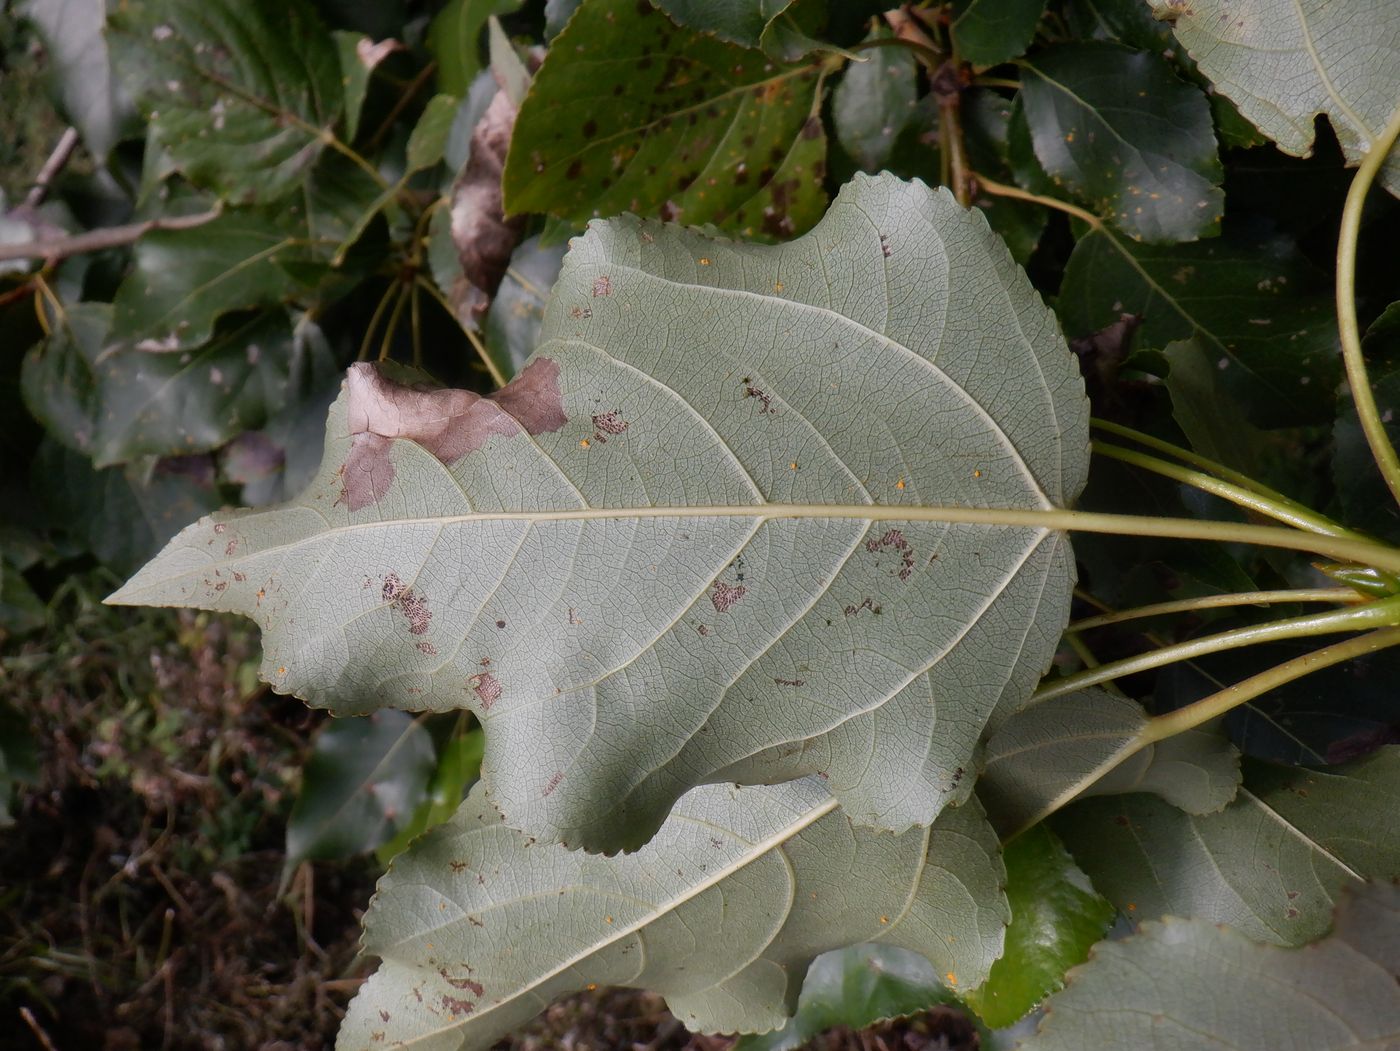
[703,535]
[480,928]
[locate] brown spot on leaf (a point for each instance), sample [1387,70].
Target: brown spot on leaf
[812,128]
[455,1006]
[726,596]
[789,682]
[410,603]
[580,313]
[448,423]
[866,603]
[553,783]
[764,398]
[590,128]
[488,688]
[608,423]
[894,540]
[462,983]
[574,170]
[602,286]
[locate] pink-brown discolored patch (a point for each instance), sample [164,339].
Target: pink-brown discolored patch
[725,596]
[448,423]
[409,602]
[487,688]
[894,540]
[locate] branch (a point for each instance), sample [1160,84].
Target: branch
[67,143]
[103,238]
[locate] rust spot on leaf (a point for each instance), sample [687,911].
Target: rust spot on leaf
[488,688]
[726,596]
[448,423]
[456,1006]
[462,983]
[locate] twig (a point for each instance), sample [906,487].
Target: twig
[67,143]
[414,86]
[103,238]
[36,1029]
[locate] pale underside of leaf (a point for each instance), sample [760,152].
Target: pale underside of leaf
[692,541]
[1189,984]
[1089,743]
[480,928]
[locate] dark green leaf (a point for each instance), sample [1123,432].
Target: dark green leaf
[856,987]
[631,113]
[874,101]
[21,612]
[1055,917]
[1189,985]
[1127,136]
[1263,314]
[1271,864]
[77,52]
[365,779]
[57,380]
[241,93]
[740,22]
[1123,21]
[429,137]
[458,767]
[1212,421]
[986,121]
[1366,502]
[513,322]
[123,514]
[359,55]
[454,38]
[989,32]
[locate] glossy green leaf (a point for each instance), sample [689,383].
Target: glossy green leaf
[721,913]
[739,22]
[874,101]
[359,55]
[990,32]
[1086,744]
[986,123]
[458,768]
[1284,62]
[240,93]
[1055,917]
[686,389]
[1271,864]
[1189,985]
[856,987]
[1263,314]
[77,52]
[454,38]
[364,781]
[1127,136]
[517,310]
[21,613]
[667,122]
[1211,420]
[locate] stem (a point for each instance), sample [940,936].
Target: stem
[950,141]
[930,57]
[1372,615]
[414,86]
[67,143]
[104,238]
[496,375]
[1214,706]
[996,82]
[999,189]
[387,344]
[1299,518]
[1217,704]
[1371,424]
[374,322]
[1346,596]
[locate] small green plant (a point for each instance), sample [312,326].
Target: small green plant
[736,551]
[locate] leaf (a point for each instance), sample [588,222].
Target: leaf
[429,137]
[1190,984]
[1270,864]
[123,514]
[755,424]
[359,56]
[1127,137]
[670,123]
[458,767]
[1087,743]
[1211,419]
[241,93]
[1264,315]
[721,913]
[990,32]
[75,49]
[855,987]
[739,22]
[986,119]
[517,311]
[1055,918]
[454,38]
[874,101]
[363,783]
[483,236]
[1284,62]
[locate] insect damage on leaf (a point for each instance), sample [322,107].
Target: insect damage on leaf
[448,423]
